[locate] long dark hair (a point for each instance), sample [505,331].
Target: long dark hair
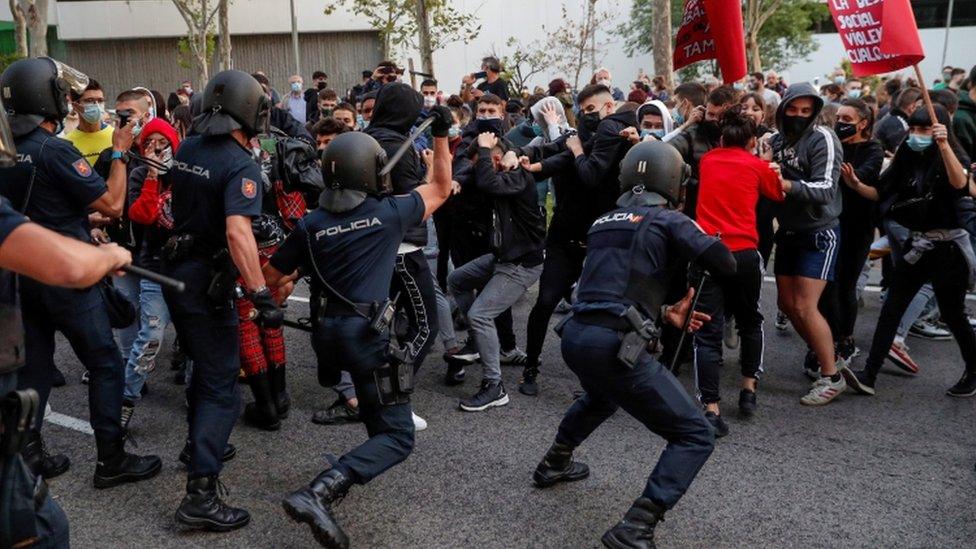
[865,112]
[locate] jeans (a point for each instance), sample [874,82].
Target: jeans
[561,269]
[736,296]
[349,344]
[445,322]
[499,286]
[153,318]
[79,315]
[130,287]
[649,393]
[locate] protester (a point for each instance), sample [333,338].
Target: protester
[93,134]
[295,102]
[893,128]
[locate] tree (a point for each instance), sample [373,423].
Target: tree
[525,61]
[30,16]
[20,28]
[787,35]
[223,28]
[199,41]
[649,19]
[574,43]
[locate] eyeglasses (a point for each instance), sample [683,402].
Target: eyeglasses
[92,101]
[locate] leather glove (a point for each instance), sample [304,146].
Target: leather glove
[270,314]
[443,120]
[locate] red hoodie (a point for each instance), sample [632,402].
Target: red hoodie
[730,182]
[145,209]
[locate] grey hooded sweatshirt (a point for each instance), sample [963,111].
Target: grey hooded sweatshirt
[811,160]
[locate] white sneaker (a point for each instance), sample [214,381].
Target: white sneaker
[823,391]
[419,423]
[731,334]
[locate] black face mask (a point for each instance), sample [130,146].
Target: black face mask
[794,125]
[845,130]
[590,121]
[493,125]
[321,85]
[710,130]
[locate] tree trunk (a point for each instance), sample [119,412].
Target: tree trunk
[423,38]
[223,24]
[662,50]
[752,51]
[37,25]
[203,63]
[20,28]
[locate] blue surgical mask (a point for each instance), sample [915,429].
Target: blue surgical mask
[658,133]
[360,123]
[678,118]
[537,129]
[854,94]
[454,131]
[93,113]
[919,143]
[839,80]
[296,86]
[137,129]
[738,86]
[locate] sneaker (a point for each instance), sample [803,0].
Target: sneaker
[339,412]
[898,354]
[515,357]
[721,428]
[419,423]
[747,403]
[730,334]
[492,393]
[128,408]
[454,375]
[467,354]
[847,351]
[811,366]
[85,376]
[528,385]
[965,387]
[563,307]
[859,380]
[782,322]
[929,330]
[823,391]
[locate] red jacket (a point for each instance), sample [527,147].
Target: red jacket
[146,208]
[730,183]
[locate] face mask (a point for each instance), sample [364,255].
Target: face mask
[429,101]
[188,89]
[537,130]
[165,158]
[919,143]
[710,129]
[794,125]
[360,122]
[93,113]
[137,129]
[676,115]
[326,112]
[845,130]
[454,131]
[656,133]
[946,76]
[605,82]
[738,86]
[839,80]
[296,86]
[320,85]
[854,94]
[493,125]
[590,121]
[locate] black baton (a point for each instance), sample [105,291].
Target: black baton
[297,325]
[162,280]
[684,329]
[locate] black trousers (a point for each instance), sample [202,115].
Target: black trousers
[414,283]
[838,303]
[736,296]
[562,268]
[946,268]
[765,213]
[468,243]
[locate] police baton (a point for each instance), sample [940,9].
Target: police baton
[406,146]
[684,329]
[171,283]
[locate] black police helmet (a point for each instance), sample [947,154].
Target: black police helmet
[651,174]
[351,170]
[36,89]
[233,100]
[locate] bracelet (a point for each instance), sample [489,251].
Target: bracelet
[259,289]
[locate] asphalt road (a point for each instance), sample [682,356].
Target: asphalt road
[895,470]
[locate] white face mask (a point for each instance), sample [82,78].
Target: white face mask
[605,82]
[430,101]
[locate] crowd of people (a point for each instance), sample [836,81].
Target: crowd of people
[511,189]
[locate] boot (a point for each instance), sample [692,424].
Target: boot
[261,413]
[39,461]
[202,507]
[313,505]
[636,529]
[279,394]
[528,385]
[229,452]
[558,466]
[116,466]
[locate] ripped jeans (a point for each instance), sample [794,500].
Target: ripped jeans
[153,318]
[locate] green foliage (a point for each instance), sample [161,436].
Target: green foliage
[8,58]
[787,36]
[185,57]
[636,32]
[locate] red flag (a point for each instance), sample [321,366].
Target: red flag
[697,39]
[879,35]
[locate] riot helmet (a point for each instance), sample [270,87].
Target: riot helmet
[8,152]
[36,89]
[652,174]
[351,168]
[233,100]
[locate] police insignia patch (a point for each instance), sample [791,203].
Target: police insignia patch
[82,167]
[249,188]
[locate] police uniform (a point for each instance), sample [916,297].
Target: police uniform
[213,177]
[11,327]
[355,253]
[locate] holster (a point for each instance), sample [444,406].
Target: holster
[223,279]
[394,382]
[635,341]
[178,247]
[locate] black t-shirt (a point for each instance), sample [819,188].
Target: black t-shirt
[213,178]
[64,184]
[354,251]
[866,157]
[498,87]
[916,193]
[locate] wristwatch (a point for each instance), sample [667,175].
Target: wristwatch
[120,155]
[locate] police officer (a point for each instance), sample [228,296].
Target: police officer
[348,246]
[54,186]
[620,297]
[216,188]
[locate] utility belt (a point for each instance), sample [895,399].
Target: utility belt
[639,331]
[222,288]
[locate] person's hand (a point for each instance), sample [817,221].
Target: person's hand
[940,134]
[631,134]
[468,79]
[270,314]
[487,140]
[510,161]
[476,93]
[455,187]
[848,175]
[118,257]
[552,116]
[677,314]
[427,156]
[443,120]
[152,172]
[574,144]
[98,236]
[528,166]
[96,219]
[765,148]
[122,137]
[284,291]
[785,184]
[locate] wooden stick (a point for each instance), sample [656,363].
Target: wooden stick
[925,94]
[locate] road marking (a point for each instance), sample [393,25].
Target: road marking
[73,423]
[869,288]
[298,299]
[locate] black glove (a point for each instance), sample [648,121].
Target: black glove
[270,314]
[443,120]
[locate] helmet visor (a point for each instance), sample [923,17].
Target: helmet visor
[8,154]
[71,76]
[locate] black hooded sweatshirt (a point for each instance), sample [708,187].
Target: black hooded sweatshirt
[397,109]
[518,225]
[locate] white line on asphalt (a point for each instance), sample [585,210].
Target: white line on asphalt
[73,423]
[869,288]
[298,299]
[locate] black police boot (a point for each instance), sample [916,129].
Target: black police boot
[202,507]
[636,529]
[116,466]
[313,506]
[558,466]
[229,452]
[39,461]
[261,413]
[279,393]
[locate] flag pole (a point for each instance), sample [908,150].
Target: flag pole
[925,94]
